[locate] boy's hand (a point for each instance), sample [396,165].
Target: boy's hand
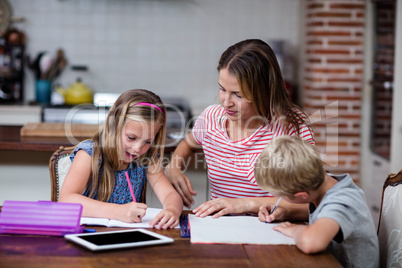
[289,229]
[278,215]
[165,219]
[312,238]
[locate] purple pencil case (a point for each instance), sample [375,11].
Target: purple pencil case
[40,218]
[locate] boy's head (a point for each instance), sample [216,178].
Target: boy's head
[289,165]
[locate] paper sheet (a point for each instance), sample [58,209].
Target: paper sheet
[236,230]
[149,216]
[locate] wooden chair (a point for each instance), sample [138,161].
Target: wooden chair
[59,164]
[390,222]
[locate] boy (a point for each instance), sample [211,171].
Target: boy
[339,218]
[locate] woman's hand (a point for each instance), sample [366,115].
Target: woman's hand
[181,159]
[131,212]
[222,206]
[182,184]
[165,219]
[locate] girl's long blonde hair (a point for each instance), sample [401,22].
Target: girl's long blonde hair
[108,139]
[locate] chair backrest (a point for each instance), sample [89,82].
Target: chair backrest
[390,222]
[59,164]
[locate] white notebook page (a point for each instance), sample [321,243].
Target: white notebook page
[236,230]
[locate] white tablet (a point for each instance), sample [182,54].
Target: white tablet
[118,239]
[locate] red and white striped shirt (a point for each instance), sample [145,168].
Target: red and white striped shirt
[231,163]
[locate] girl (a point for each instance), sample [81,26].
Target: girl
[124,153]
[255,108]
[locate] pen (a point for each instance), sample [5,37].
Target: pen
[276,205]
[131,188]
[89,230]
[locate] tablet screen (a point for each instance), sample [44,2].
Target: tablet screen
[118,239]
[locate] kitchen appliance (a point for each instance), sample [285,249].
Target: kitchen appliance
[178,111]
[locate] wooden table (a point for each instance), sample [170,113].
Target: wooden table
[46,251]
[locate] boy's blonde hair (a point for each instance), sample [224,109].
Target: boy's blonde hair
[108,139]
[289,165]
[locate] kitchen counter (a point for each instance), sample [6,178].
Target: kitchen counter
[24,160]
[18,114]
[11,140]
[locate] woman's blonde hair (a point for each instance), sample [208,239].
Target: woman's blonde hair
[108,140]
[289,165]
[256,68]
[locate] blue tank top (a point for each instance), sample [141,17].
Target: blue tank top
[121,192]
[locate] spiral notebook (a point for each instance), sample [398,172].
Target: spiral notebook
[149,216]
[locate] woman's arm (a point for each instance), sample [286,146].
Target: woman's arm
[75,184]
[169,198]
[222,206]
[181,159]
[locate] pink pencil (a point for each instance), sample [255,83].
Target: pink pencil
[131,188]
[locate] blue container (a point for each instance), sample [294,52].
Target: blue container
[43,90]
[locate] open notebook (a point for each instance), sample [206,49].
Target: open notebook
[149,216]
[235,230]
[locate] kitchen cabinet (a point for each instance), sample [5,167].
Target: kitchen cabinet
[18,115]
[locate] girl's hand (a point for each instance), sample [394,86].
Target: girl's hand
[265,216]
[131,212]
[222,206]
[165,219]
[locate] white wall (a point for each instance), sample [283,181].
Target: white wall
[167,46]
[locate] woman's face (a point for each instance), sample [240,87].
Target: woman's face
[137,138]
[237,108]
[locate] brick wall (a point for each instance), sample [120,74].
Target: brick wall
[333,80]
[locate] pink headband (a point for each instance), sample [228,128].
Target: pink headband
[150,104]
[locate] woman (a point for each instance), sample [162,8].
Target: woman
[255,108]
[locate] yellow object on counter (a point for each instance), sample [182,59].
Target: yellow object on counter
[77,93]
